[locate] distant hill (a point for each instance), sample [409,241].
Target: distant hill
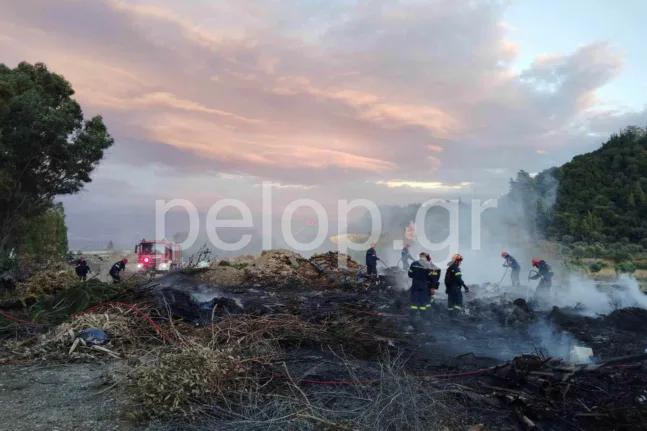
[595,204]
[601,194]
[596,197]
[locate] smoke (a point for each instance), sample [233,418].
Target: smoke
[551,342]
[592,299]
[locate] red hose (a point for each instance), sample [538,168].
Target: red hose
[369,382]
[130,307]
[112,303]
[15,319]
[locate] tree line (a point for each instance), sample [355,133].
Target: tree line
[47,149]
[595,205]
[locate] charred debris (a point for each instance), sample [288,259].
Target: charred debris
[281,341]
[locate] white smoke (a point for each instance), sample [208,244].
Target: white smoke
[592,300]
[554,343]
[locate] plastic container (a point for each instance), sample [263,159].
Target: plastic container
[94,336]
[580,355]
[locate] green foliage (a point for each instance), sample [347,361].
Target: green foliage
[47,147]
[529,203]
[45,236]
[599,198]
[7,262]
[57,309]
[241,265]
[602,192]
[620,254]
[595,267]
[575,266]
[578,252]
[625,268]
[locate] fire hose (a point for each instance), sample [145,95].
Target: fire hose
[501,281]
[618,362]
[528,288]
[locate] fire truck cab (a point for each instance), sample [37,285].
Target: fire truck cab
[158,256]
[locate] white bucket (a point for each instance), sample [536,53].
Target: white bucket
[581,355]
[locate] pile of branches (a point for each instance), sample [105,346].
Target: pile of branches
[588,397]
[128,336]
[54,278]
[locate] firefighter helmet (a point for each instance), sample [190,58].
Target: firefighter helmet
[457,258]
[535,262]
[504,254]
[124,260]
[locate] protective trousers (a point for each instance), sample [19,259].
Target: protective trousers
[371,269]
[420,300]
[543,289]
[514,277]
[432,286]
[454,299]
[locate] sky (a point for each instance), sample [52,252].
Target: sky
[391,101]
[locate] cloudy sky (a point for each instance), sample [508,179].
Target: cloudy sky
[394,101]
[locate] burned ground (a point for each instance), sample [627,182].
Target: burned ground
[334,355]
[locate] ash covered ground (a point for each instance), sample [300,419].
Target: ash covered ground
[327,348]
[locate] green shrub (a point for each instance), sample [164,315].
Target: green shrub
[595,267]
[625,268]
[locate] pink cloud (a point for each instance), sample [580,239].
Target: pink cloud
[368,96]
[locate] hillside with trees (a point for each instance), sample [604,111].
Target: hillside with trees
[595,205]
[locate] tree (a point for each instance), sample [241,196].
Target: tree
[47,147]
[110,247]
[625,268]
[595,267]
[597,197]
[45,236]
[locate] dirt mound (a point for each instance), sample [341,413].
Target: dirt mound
[224,275]
[334,260]
[286,269]
[628,319]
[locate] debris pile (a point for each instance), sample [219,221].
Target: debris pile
[187,383]
[343,358]
[78,340]
[285,268]
[53,279]
[567,396]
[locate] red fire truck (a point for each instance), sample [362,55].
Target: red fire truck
[158,256]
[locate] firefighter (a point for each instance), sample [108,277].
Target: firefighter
[544,271]
[82,268]
[434,283]
[511,262]
[371,260]
[406,257]
[453,284]
[117,268]
[421,276]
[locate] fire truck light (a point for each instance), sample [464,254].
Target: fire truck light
[146,260]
